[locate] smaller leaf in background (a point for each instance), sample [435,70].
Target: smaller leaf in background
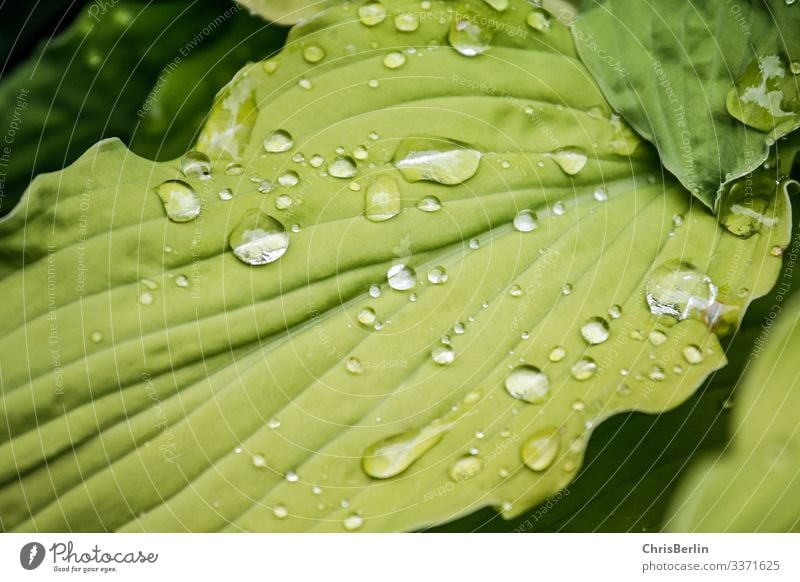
[754,486]
[686,74]
[286,11]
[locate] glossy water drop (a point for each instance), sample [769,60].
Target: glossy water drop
[600,194]
[354,365]
[459,328]
[515,291]
[273,423]
[182,281]
[391,456]
[266,186]
[344,167]
[289,178]
[557,354]
[571,160]
[316,161]
[540,449]
[595,331]
[474,244]
[692,354]
[559,209]
[180,200]
[394,60]
[465,468]
[406,22]
[360,153]
[270,66]
[278,141]
[258,239]
[313,53]
[538,19]
[305,84]
[443,355]
[566,289]
[353,522]
[196,164]
[747,205]
[283,202]
[765,96]
[468,37]
[526,221]
[528,383]
[291,476]
[401,277]
[429,204]
[584,369]
[657,337]
[234,169]
[657,373]
[280,511]
[259,462]
[679,289]
[372,14]
[367,316]
[615,311]
[382,199]
[441,161]
[374,290]
[437,275]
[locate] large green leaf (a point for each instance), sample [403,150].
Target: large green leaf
[145,72]
[672,67]
[192,391]
[754,485]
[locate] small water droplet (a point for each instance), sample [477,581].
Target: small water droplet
[429,204]
[234,169]
[382,199]
[443,355]
[559,209]
[291,476]
[615,311]
[595,331]
[196,164]
[96,337]
[566,289]
[557,354]
[528,383]
[278,141]
[180,200]
[289,178]
[584,369]
[259,462]
[459,328]
[354,365]
[432,160]
[406,22]
[374,290]
[182,281]
[571,160]
[270,66]
[280,511]
[540,449]
[465,468]
[273,423]
[657,337]
[344,167]
[538,19]
[526,221]
[474,244]
[657,373]
[692,354]
[372,14]
[305,84]
[225,194]
[313,53]
[394,60]
[266,186]
[283,202]
[600,194]
[353,522]
[401,277]
[258,239]
[145,298]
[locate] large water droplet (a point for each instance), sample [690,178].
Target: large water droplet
[372,14]
[540,450]
[465,468]
[595,331]
[441,161]
[468,37]
[571,160]
[258,239]
[401,277]
[528,383]
[196,164]
[344,167]
[526,221]
[278,141]
[747,205]
[180,200]
[382,199]
[680,290]
[391,456]
[766,97]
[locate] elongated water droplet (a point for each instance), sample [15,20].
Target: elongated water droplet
[429,204]
[259,462]
[528,383]
[391,456]
[401,278]
[382,200]
[180,200]
[372,14]
[584,369]
[680,290]
[278,141]
[540,449]
[344,167]
[258,239]
[225,194]
[571,160]
[468,37]
[526,221]
[657,373]
[515,291]
[441,161]
[465,468]
[196,164]
[234,169]
[595,331]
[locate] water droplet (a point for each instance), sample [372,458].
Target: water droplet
[441,161]
[289,178]
[401,277]
[566,289]
[344,167]
[515,291]
[196,164]
[499,5]
[692,354]
[266,186]
[372,14]
[313,53]
[540,449]
[528,383]
[283,202]
[538,19]
[679,289]
[353,522]
[145,298]
[571,160]
[465,468]
[305,84]
[747,205]
[429,204]
[259,462]
[469,38]
[270,66]
[437,275]
[595,331]
[765,97]
[374,290]
[584,369]
[776,251]
[391,456]
[273,423]
[526,221]
[443,355]
[180,200]
[354,365]
[657,337]
[559,209]
[280,511]
[459,328]
[615,311]
[225,194]
[406,22]
[96,337]
[291,476]
[367,316]
[677,220]
[360,153]
[278,141]
[474,244]
[394,60]
[258,239]
[557,354]
[600,194]
[234,169]
[382,200]
[182,281]
[657,373]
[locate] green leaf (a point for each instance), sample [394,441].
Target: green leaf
[673,69]
[164,385]
[145,72]
[286,11]
[753,485]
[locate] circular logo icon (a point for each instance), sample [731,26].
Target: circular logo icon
[31,555]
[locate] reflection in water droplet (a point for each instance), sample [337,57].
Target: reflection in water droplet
[179,199]
[401,278]
[748,205]
[283,202]
[584,369]
[429,204]
[225,194]
[459,328]
[528,383]
[465,468]
[595,331]
[540,449]
[291,476]
[443,355]
[600,194]
[278,141]
[182,281]
[196,164]
[571,160]
[382,200]
[559,208]
[679,289]
[234,169]
[258,239]
[344,167]
[692,354]
[469,38]
[259,462]
[266,186]
[441,161]
[372,14]
[566,289]
[526,221]
[437,275]
[273,423]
